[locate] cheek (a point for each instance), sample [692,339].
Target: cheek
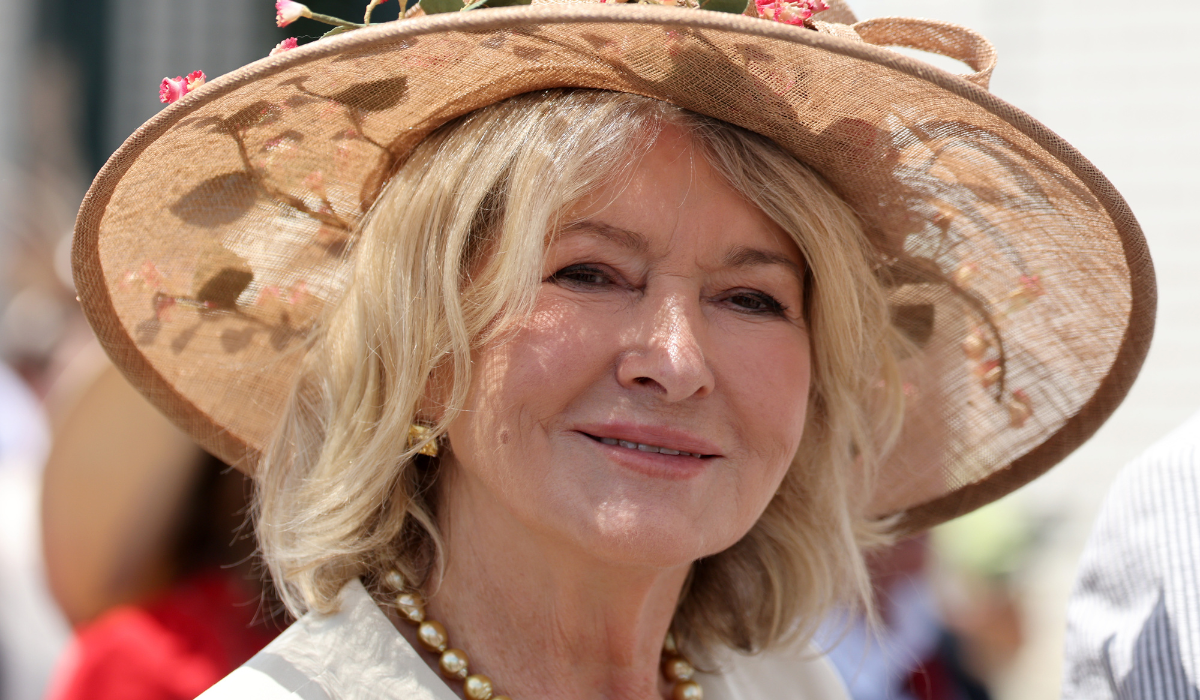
[769,383]
[524,382]
[558,350]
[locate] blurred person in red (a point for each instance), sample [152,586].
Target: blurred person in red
[143,551]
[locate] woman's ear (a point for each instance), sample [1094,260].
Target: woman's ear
[435,400]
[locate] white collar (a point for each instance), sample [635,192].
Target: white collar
[357,654]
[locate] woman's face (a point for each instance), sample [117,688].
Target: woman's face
[648,408]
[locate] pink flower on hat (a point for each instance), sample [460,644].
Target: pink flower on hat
[793,12]
[172,89]
[287,12]
[286,45]
[195,79]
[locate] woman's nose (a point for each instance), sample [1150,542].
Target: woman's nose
[665,349]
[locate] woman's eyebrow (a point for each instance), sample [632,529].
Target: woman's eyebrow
[738,257]
[625,238]
[745,256]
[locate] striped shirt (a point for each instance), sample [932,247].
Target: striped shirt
[1133,621]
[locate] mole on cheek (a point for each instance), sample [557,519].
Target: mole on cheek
[503,437]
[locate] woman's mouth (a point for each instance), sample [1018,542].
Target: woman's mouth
[654,458]
[643,447]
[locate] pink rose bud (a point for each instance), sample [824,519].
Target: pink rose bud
[793,12]
[286,45]
[287,12]
[195,79]
[172,89]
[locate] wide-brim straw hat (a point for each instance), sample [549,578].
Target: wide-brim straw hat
[219,234]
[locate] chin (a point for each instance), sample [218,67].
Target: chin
[625,533]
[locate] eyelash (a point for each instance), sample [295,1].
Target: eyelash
[593,271]
[770,305]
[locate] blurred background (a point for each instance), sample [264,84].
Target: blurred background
[1123,85]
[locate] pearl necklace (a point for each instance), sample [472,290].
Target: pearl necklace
[453,662]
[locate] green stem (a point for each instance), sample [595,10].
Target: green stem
[335,21]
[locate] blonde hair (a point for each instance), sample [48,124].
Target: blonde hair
[453,251]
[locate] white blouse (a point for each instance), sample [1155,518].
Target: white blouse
[357,654]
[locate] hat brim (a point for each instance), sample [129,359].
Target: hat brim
[212,242]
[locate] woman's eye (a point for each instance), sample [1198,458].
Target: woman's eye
[756,303]
[582,275]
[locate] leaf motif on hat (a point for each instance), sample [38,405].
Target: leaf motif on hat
[375,95]
[750,52]
[221,291]
[217,201]
[210,124]
[528,53]
[234,340]
[700,76]
[596,41]
[254,114]
[915,321]
[220,278]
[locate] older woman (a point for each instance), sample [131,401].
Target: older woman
[566,344]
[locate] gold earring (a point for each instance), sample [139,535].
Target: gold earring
[418,434]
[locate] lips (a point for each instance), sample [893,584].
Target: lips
[642,447]
[652,439]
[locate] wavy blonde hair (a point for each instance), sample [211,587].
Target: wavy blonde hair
[453,251]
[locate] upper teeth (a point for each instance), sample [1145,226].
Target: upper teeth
[646,448]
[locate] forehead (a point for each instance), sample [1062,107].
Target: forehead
[671,198]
